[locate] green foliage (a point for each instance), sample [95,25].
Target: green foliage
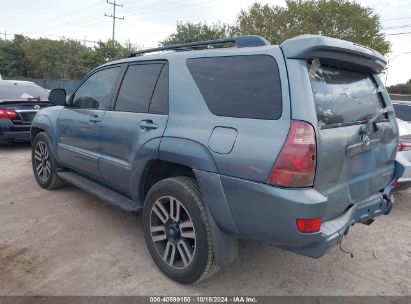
[54,58]
[189,32]
[105,52]
[57,59]
[341,19]
[404,88]
[12,58]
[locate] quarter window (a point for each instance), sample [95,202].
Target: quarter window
[239,86]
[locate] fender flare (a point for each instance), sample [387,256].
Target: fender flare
[44,122]
[223,227]
[146,154]
[186,152]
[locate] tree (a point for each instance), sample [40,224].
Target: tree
[12,58]
[57,59]
[341,19]
[189,32]
[107,51]
[403,88]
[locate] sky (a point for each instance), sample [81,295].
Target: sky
[148,21]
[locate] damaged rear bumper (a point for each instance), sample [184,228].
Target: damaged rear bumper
[333,230]
[361,212]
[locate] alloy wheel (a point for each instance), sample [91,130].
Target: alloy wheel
[42,161]
[172,232]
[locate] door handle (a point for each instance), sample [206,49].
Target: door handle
[94,119]
[148,124]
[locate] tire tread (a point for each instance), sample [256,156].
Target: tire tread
[56,182]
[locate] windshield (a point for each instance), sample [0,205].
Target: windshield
[15,91]
[343,96]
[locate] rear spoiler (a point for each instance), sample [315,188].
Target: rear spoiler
[333,50]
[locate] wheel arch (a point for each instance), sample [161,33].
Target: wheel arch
[222,226]
[42,123]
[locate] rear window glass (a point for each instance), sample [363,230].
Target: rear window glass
[14,91]
[239,86]
[343,96]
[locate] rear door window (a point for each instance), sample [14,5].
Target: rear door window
[138,87]
[342,96]
[159,102]
[239,86]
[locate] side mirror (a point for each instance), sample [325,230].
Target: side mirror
[58,97]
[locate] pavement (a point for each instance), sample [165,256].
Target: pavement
[66,242]
[402,109]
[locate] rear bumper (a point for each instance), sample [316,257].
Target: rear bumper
[333,230]
[10,133]
[269,214]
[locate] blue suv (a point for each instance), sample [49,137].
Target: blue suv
[289,144]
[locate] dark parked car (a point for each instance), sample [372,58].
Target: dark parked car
[19,102]
[289,144]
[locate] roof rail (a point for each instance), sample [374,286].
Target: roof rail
[239,41]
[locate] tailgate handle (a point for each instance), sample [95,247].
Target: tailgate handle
[361,147]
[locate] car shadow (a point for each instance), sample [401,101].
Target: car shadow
[15,146]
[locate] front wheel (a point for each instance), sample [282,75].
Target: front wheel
[44,165]
[177,230]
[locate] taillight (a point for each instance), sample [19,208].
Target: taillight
[309,225]
[10,114]
[295,166]
[404,146]
[396,183]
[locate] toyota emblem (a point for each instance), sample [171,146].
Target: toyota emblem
[366,141]
[36,107]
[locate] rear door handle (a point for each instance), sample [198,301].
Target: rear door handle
[94,119]
[148,124]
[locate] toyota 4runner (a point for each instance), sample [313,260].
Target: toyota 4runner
[289,144]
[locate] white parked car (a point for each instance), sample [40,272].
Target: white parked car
[404,153]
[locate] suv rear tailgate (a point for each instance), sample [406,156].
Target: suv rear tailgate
[338,93]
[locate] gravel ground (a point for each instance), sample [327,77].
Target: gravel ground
[66,242]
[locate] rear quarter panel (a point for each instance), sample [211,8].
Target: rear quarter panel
[258,142]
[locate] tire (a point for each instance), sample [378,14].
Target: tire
[185,232]
[44,164]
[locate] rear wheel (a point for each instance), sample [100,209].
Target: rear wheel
[177,231]
[43,162]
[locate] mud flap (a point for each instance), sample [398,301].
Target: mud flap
[225,246]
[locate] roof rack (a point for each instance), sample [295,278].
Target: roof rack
[239,41]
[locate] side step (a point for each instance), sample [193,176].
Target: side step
[99,191]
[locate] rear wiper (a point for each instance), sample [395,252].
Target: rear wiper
[371,120]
